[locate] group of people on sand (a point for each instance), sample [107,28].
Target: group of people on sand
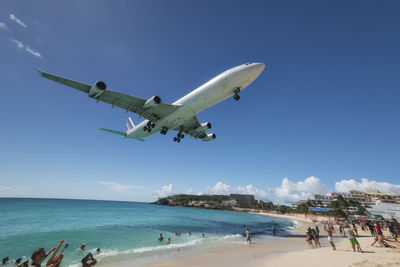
[313,235]
[40,255]
[349,229]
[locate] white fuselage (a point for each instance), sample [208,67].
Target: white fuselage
[207,95]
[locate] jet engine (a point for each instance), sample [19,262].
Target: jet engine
[209,137]
[203,127]
[97,89]
[152,102]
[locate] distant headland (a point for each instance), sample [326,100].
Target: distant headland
[221,202]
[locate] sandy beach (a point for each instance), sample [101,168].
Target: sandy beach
[283,251]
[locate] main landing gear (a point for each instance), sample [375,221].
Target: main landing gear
[236,93]
[179,136]
[164,130]
[149,126]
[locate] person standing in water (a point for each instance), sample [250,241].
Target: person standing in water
[248,236]
[161,238]
[274,231]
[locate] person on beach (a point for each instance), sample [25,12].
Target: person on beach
[23,264]
[316,239]
[5,261]
[352,239]
[56,259]
[248,236]
[317,229]
[39,255]
[392,232]
[330,237]
[83,246]
[371,228]
[168,241]
[88,260]
[378,229]
[355,229]
[98,250]
[274,231]
[161,238]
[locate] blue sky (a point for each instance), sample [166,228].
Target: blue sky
[324,114]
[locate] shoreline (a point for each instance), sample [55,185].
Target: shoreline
[231,252]
[278,251]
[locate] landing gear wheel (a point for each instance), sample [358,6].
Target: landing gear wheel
[236,97]
[149,130]
[178,140]
[145,128]
[153,125]
[148,124]
[175,139]
[181,136]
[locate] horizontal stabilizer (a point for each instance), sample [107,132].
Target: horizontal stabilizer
[113,131]
[118,132]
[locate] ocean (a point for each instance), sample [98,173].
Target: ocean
[120,229]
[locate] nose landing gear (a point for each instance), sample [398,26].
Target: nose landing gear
[236,93]
[149,126]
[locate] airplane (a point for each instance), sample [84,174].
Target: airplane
[180,115]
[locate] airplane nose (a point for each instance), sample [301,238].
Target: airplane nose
[259,67]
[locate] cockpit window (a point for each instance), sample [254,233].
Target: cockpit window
[248,63]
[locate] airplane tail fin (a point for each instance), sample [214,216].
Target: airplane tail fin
[129,124]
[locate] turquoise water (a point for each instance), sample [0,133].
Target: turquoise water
[118,228]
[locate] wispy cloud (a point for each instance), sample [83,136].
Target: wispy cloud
[19,44]
[28,49]
[17,20]
[17,190]
[118,187]
[32,52]
[3,26]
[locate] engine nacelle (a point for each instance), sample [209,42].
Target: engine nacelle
[152,102]
[97,89]
[209,137]
[203,127]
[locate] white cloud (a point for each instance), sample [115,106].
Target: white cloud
[3,26]
[118,187]
[18,43]
[219,189]
[365,184]
[252,190]
[17,190]
[290,191]
[165,190]
[17,20]
[28,49]
[33,52]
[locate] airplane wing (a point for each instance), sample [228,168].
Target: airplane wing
[126,102]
